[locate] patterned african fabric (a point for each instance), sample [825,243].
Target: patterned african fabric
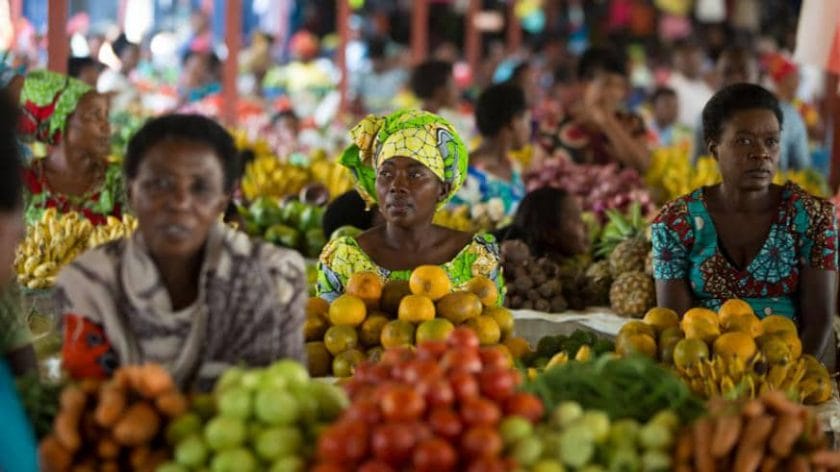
[419,135]
[686,247]
[116,310]
[47,100]
[343,257]
[482,186]
[107,199]
[571,140]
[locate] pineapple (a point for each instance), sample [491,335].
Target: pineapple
[632,294]
[620,227]
[598,282]
[629,256]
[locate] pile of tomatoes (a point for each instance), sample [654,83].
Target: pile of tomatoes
[436,408]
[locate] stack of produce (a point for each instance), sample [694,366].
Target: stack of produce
[57,239]
[372,315]
[436,409]
[632,292]
[580,345]
[294,224]
[769,433]
[532,284]
[264,419]
[730,353]
[114,425]
[335,177]
[600,188]
[267,176]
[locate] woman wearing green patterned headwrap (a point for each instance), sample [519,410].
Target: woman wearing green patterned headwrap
[71,120]
[409,164]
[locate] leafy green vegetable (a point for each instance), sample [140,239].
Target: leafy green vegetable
[632,387]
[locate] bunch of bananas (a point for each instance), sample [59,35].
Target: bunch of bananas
[457,218]
[57,239]
[335,177]
[266,176]
[806,378]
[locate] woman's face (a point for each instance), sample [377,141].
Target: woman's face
[11,232]
[88,133]
[748,149]
[177,195]
[521,125]
[408,192]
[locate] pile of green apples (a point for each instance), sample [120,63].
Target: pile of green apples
[291,223]
[256,420]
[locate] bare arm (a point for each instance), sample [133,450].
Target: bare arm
[817,305]
[674,294]
[632,151]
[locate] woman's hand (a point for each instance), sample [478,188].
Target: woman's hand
[817,306]
[674,294]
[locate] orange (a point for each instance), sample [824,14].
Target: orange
[791,340]
[637,327]
[701,329]
[459,307]
[518,346]
[431,281]
[392,294]
[347,310]
[314,328]
[416,309]
[340,338]
[487,329]
[689,352]
[345,363]
[503,318]
[437,329]
[374,354]
[671,333]
[662,318]
[397,333]
[734,307]
[318,359]
[666,349]
[735,345]
[748,323]
[317,306]
[371,330]
[367,286]
[484,289]
[776,323]
[636,344]
[695,314]
[775,349]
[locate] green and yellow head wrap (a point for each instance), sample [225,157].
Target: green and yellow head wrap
[419,135]
[47,100]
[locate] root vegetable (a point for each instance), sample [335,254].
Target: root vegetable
[139,456]
[776,401]
[798,463]
[153,381]
[726,433]
[139,424]
[788,429]
[109,466]
[826,458]
[73,400]
[108,449]
[111,405]
[702,432]
[66,430]
[769,464]
[172,404]
[684,448]
[54,457]
[751,448]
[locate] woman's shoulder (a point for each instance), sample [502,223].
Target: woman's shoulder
[799,198]
[677,208]
[98,265]
[340,247]
[268,257]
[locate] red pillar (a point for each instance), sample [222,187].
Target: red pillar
[419,30]
[472,41]
[15,12]
[233,41]
[343,28]
[514,30]
[58,44]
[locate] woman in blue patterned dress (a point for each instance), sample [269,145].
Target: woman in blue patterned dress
[504,122]
[772,246]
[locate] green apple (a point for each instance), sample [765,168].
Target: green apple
[171,467]
[183,426]
[274,443]
[514,428]
[236,403]
[230,378]
[224,432]
[527,450]
[293,372]
[234,460]
[332,400]
[191,452]
[288,464]
[276,407]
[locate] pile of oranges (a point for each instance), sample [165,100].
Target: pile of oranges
[373,315]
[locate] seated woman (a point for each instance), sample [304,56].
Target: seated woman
[549,221]
[410,163]
[596,128]
[72,120]
[773,246]
[185,291]
[505,125]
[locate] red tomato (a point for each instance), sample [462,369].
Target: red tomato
[460,359]
[421,370]
[445,423]
[464,385]
[393,443]
[481,442]
[489,465]
[396,356]
[463,337]
[525,405]
[344,442]
[497,384]
[479,411]
[329,467]
[373,373]
[402,403]
[432,350]
[422,431]
[493,357]
[434,455]
[365,410]
[440,393]
[356,443]
[375,466]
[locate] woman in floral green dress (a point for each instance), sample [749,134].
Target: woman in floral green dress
[71,119]
[410,163]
